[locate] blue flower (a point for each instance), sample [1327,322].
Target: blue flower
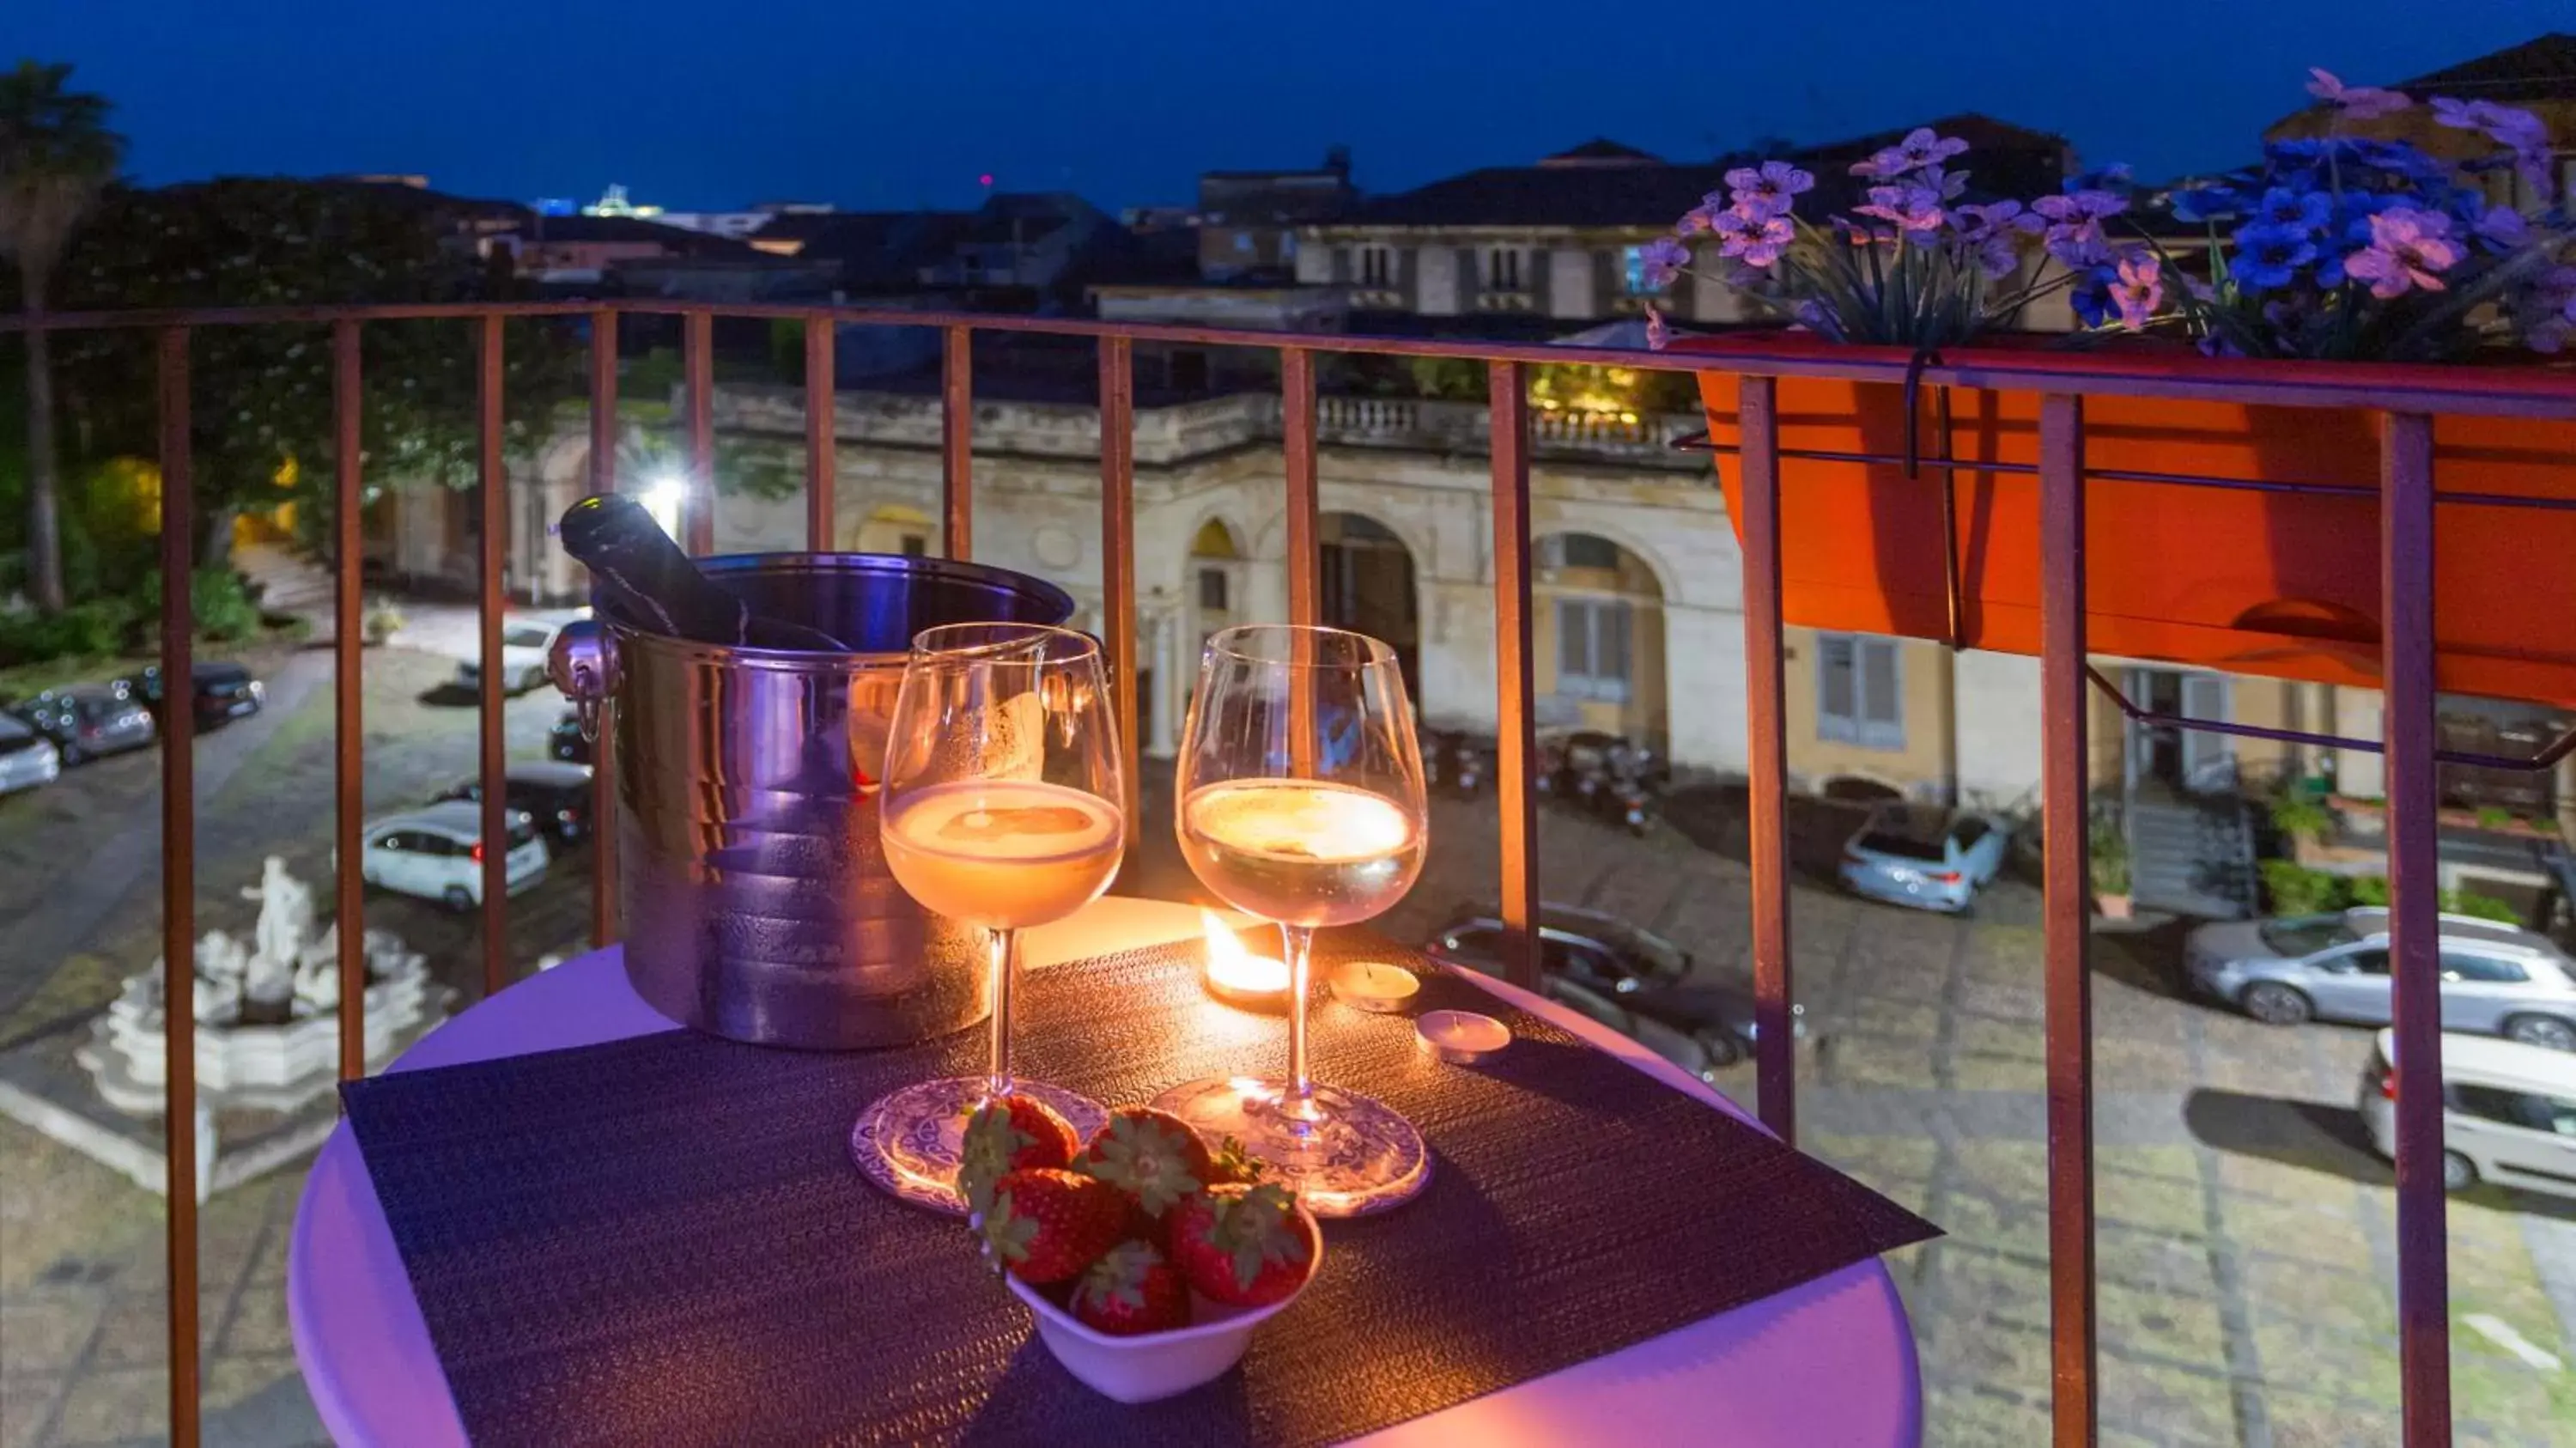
[2091,296]
[2299,211]
[2268,256]
[2114,177]
[2208,203]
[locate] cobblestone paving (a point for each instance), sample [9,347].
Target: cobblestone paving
[2246,1249]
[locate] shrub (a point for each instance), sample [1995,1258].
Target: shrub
[2294,889]
[2108,850]
[100,626]
[2300,817]
[2373,890]
[2494,817]
[217,599]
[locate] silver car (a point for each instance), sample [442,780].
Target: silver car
[27,759]
[1911,854]
[2497,980]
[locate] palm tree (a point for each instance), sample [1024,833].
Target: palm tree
[56,155]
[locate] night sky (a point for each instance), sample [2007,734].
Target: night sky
[718,103]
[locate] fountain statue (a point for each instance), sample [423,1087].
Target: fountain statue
[266,1013]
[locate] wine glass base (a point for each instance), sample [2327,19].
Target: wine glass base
[1349,1157]
[908,1142]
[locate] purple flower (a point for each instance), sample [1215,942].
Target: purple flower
[1767,189]
[1912,206]
[1995,255]
[2357,102]
[1757,241]
[2070,226]
[2518,131]
[2408,249]
[1979,220]
[1815,317]
[1919,148]
[1658,334]
[1661,260]
[1699,219]
[2503,227]
[2138,289]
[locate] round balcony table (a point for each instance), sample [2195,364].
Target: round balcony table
[1820,1366]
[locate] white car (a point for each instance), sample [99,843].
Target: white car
[27,758]
[525,638]
[2508,1112]
[436,853]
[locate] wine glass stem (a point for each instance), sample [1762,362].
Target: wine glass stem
[1298,941]
[1006,967]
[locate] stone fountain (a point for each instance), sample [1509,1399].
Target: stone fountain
[266,1011]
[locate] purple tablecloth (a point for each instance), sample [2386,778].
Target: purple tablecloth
[1826,1364]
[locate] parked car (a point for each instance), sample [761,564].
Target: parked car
[222,692]
[564,742]
[27,758]
[555,795]
[1597,951]
[85,721]
[525,638]
[436,853]
[1702,1027]
[1924,856]
[2508,1112]
[2496,979]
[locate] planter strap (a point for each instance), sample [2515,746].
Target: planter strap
[1928,355]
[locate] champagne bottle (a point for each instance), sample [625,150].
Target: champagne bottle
[645,573]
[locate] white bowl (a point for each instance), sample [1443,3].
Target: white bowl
[1155,1365]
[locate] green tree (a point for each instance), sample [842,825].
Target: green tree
[56,155]
[261,432]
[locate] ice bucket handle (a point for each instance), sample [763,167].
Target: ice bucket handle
[583,664]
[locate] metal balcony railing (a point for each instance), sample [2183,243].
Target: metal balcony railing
[2406,400]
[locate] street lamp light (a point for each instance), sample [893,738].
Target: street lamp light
[662,497]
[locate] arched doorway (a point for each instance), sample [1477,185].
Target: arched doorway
[1598,636]
[1367,576]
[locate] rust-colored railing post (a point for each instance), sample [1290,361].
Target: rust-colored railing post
[492,497]
[603,760]
[1118,541]
[2414,921]
[822,436]
[1305,559]
[1515,687]
[179,878]
[348,741]
[2067,913]
[698,365]
[1767,759]
[957,442]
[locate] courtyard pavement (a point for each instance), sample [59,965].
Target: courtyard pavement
[2246,1247]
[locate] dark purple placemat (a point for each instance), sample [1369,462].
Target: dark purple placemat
[661,1240]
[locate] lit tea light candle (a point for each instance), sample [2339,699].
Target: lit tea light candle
[1461,1037]
[1237,976]
[1373,987]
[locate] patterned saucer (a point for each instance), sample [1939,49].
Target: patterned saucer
[907,1142]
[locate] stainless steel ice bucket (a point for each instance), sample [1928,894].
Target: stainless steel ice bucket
[755,902]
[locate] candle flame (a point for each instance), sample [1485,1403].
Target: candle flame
[1234,969]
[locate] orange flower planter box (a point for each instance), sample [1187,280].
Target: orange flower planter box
[2273,583]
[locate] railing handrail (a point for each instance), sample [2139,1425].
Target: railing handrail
[2509,391]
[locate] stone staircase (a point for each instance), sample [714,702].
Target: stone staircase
[288,583]
[2191,856]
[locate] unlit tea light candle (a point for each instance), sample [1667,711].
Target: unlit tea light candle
[1461,1037]
[1374,987]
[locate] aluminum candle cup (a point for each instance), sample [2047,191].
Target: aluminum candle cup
[1383,989]
[754,897]
[1461,1038]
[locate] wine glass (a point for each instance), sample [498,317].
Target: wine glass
[1301,801]
[1002,808]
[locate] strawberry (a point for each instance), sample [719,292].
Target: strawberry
[1046,1224]
[1233,1164]
[1008,1134]
[1152,1156]
[1131,1290]
[1245,1246]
